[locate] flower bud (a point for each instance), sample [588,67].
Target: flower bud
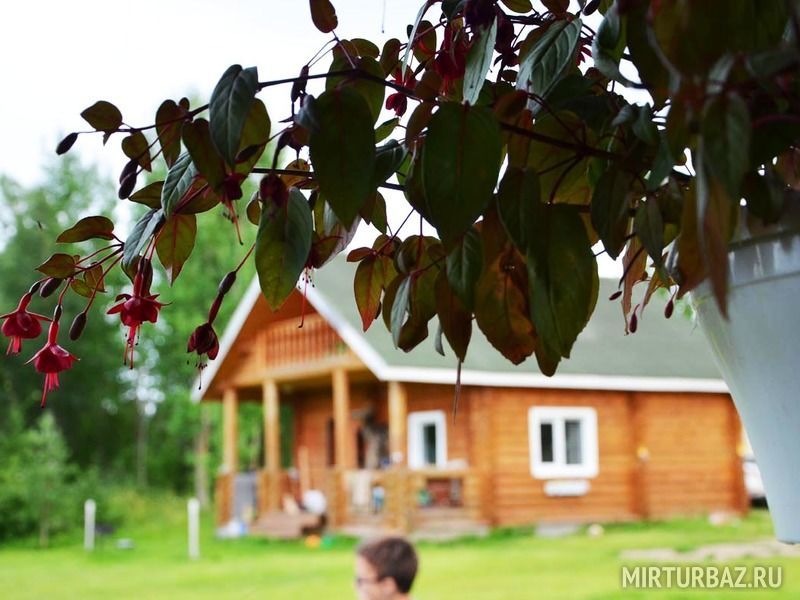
[615,295]
[67,143]
[78,323]
[669,308]
[49,286]
[634,323]
[57,312]
[126,186]
[227,283]
[35,287]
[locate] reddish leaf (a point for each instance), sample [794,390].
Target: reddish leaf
[169,121]
[94,278]
[136,147]
[86,229]
[103,116]
[455,320]
[324,15]
[501,307]
[368,287]
[58,265]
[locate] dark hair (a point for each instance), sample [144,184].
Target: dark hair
[392,557]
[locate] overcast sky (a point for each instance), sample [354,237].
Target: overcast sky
[57,58]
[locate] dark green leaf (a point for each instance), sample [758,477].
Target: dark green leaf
[610,204]
[282,246]
[255,137]
[479,61]
[400,306]
[228,109]
[563,278]
[372,91]
[548,58]
[139,236]
[385,129]
[608,46]
[518,200]
[460,163]
[764,195]
[725,129]
[649,227]
[464,266]
[86,229]
[179,180]
[374,212]
[334,236]
[149,195]
[388,159]
[390,56]
[175,244]
[204,156]
[343,151]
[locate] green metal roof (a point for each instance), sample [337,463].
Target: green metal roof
[661,349]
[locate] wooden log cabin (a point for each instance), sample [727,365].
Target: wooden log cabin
[631,427]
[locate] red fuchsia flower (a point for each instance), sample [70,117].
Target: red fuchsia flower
[51,360]
[232,190]
[398,102]
[451,61]
[21,325]
[204,340]
[137,308]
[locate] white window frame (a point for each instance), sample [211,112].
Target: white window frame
[416,424]
[557,416]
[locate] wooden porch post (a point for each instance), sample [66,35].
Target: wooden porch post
[230,462]
[398,502]
[272,449]
[398,417]
[230,431]
[342,446]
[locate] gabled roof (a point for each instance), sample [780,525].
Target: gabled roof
[663,355]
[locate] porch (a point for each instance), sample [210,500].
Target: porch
[347,439]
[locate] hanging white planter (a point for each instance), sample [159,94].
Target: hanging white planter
[758,353]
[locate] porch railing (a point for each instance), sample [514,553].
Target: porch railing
[283,345]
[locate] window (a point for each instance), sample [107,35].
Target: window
[563,441]
[427,439]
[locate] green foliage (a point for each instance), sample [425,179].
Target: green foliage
[521,148]
[41,492]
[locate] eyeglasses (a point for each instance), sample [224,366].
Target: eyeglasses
[359,581]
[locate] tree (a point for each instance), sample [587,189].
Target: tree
[519,150]
[97,432]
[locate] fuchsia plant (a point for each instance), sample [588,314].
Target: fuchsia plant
[507,132]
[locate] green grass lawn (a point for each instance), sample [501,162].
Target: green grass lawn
[508,565]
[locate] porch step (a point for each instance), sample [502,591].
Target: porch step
[277,524]
[441,514]
[449,531]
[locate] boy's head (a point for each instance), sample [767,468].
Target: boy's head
[385,569]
